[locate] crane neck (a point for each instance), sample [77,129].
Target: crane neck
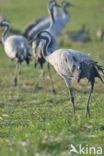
[65,16]
[47,42]
[45,47]
[66,13]
[5,34]
[57,13]
[51,15]
[28,29]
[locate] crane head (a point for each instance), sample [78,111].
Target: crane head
[66,4]
[53,4]
[4,23]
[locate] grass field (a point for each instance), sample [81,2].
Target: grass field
[33,121]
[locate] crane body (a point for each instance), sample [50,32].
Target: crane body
[69,64]
[16,47]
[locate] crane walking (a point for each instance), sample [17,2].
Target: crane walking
[39,59]
[57,23]
[69,64]
[16,47]
[65,15]
[61,17]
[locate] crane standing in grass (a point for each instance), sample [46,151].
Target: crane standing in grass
[71,64]
[61,17]
[42,23]
[57,23]
[16,47]
[54,25]
[65,15]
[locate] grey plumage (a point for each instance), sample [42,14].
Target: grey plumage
[61,17]
[53,26]
[40,24]
[30,28]
[65,16]
[15,46]
[72,64]
[57,23]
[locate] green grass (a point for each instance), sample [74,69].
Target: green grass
[33,121]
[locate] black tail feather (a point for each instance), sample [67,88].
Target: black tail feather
[91,69]
[99,68]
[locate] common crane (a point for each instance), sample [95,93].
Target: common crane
[69,64]
[54,28]
[61,17]
[65,15]
[42,23]
[16,47]
[11,30]
[39,59]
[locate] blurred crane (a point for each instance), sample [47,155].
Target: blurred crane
[41,24]
[11,30]
[61,17]
[71,64]
[65,16]
[81,35]
[55,27]
[52,29]
[16,47]
[100,34]
[39,59]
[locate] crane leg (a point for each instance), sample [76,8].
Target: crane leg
[68,84]
[42,73]
[16,79]
[87,109]
[50,75]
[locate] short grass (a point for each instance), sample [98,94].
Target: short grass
[33,121]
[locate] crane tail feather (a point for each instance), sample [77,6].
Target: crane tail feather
[101,69]
[91,69]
